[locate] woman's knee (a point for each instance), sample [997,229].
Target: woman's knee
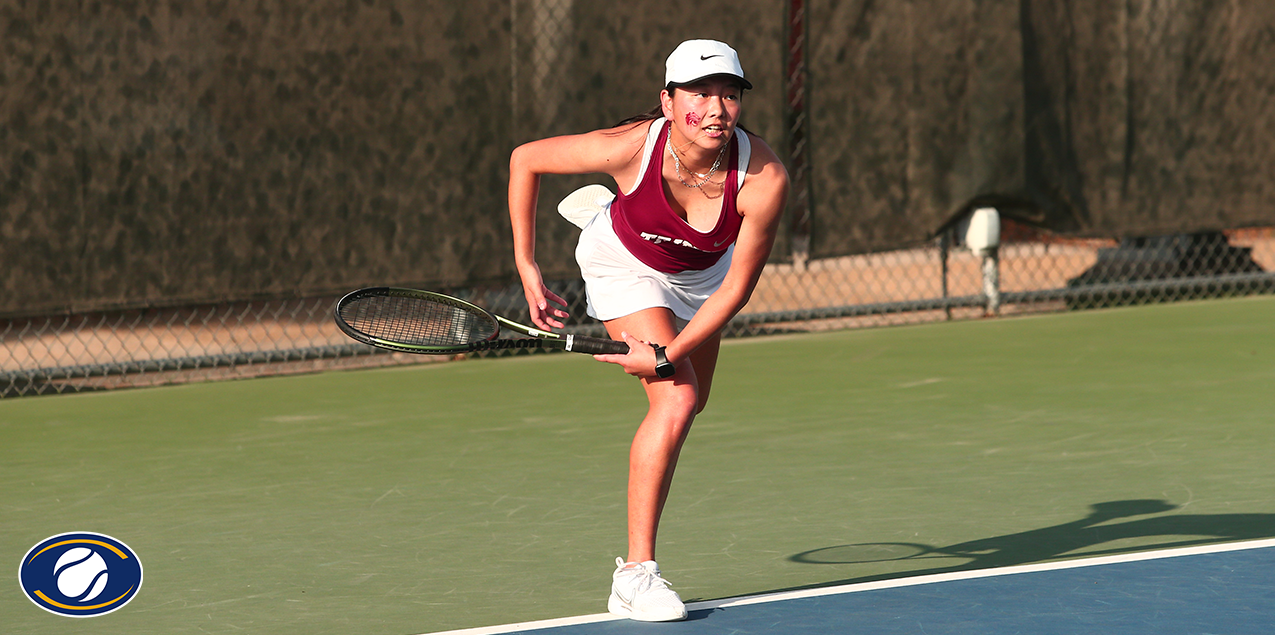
[688,403]
[680,401]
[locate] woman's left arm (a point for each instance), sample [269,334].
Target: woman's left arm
[761,203]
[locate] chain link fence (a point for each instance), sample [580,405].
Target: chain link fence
[1030,272]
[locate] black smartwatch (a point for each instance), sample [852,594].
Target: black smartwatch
[663,368]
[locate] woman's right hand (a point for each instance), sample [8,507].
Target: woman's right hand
[543,314]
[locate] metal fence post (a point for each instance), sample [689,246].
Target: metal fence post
[797,123]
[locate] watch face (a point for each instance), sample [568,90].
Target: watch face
[663,368]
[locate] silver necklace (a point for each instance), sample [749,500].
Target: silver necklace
[677,166]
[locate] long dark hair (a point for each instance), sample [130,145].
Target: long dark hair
[650,115]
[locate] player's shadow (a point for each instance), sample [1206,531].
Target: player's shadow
[1107,524]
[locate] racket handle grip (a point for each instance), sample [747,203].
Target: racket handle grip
[597,346]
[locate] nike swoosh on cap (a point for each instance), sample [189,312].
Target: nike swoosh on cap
[707,57]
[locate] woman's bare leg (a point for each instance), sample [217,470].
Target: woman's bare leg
[658,441]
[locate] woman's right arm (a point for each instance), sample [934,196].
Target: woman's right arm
[609,152]
[524,189]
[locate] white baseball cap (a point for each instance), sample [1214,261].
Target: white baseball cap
[694,60]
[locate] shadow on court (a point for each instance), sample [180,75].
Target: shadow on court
[1081,537]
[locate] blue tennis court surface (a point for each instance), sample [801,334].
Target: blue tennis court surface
[1227,588]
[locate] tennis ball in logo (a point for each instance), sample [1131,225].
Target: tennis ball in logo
[81,574]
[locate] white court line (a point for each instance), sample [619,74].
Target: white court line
[883,584]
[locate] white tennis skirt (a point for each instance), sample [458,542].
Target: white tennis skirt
[618,284]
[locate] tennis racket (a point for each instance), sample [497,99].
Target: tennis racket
[412,321]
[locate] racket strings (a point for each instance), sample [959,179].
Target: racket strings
[418,321]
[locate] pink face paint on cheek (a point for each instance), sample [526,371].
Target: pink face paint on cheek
[692,119]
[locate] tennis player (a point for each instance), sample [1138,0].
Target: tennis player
[666,265]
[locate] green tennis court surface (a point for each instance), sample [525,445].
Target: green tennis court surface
[449,496]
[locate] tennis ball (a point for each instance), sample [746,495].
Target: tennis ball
[81,573]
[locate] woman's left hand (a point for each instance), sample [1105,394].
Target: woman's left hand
[639,361]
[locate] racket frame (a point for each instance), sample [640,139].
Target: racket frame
[538,338]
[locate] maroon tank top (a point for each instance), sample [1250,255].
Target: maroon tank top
[655,234]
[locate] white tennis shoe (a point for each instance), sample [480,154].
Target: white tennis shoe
[639,593]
